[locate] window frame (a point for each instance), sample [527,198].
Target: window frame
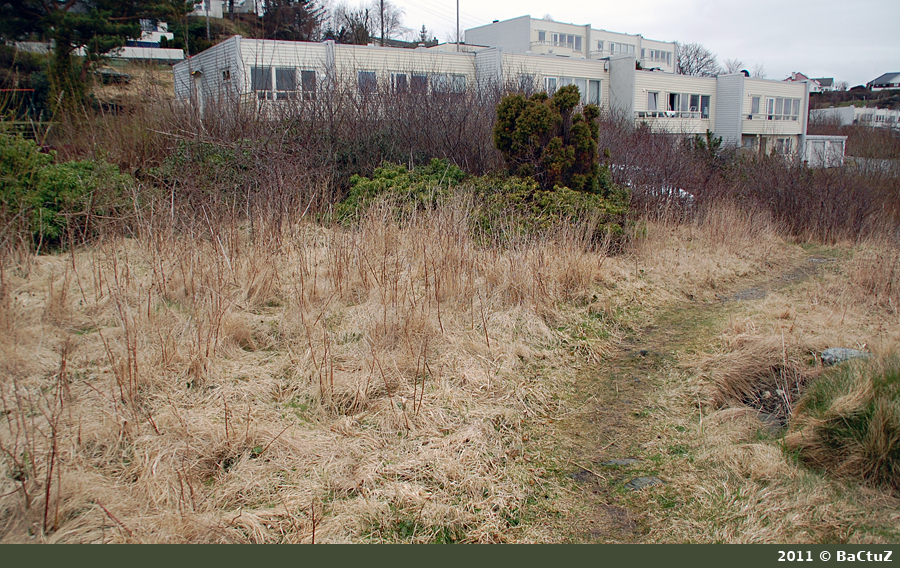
[547,82]
[367,82]
[308,93]
[598,99]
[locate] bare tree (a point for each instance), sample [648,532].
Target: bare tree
[388,18]
[759,71]
[733,65]
[451,37]
[695,59]
[355,25]
[841,85]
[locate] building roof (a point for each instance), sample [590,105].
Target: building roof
[825,81]
[887,78]
[797,76]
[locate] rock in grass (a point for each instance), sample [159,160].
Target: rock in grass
[639,483]
[624,461]
[835,355]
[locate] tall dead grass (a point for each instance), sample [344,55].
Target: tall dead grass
[356,384]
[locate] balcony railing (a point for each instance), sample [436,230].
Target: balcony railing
[555,44]
[671,114]
[764,116]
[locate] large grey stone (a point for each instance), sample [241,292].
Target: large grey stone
[639,483]
[623,461]
[835,355]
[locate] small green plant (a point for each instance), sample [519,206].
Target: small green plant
[53,201]
[422,187]
[503,205]
[848,421]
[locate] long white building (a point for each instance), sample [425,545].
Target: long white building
[756,114]
[864,116]
[529,35]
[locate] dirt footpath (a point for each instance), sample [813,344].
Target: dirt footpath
[617,438]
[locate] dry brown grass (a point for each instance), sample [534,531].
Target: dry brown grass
[374,384]
[746,485]
[361,384]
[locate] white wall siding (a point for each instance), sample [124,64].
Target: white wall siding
[759,123]
[729,97]
[824,151]
[511,35]
[351,58]
[489,68]
[843,116]
[565,70]
[212,74]
[621,85]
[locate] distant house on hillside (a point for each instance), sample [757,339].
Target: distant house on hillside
[814,85]
[886,81]
[218,8]
[147,47]
[826,84]
[211,8]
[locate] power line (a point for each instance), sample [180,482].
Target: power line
[448,16]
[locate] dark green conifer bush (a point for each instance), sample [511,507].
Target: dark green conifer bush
[544,138]
[50,202]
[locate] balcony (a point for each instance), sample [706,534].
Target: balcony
[564,45]
[671,114]
[763,116]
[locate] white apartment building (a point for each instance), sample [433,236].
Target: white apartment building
[756,114]
[218,8]
[269,71]
[211,8]
[864,116]
[528,35]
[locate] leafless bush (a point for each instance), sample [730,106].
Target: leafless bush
[249,160]
[671,176]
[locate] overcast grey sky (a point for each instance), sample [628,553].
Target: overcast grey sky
[853,41]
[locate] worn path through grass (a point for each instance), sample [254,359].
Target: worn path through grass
[619,433]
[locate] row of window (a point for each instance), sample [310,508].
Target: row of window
[280,83]
[588,88]
[686,105]
[290,83]
[415,83]
[877,118]
[657,55]
[562,40]
[782,146]
[777,108]
[616,48]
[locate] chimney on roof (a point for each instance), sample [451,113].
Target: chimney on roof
[496,22]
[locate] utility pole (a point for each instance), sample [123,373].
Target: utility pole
[206,3]
[382,22]
[457,25]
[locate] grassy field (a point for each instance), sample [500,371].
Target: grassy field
[409,382]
